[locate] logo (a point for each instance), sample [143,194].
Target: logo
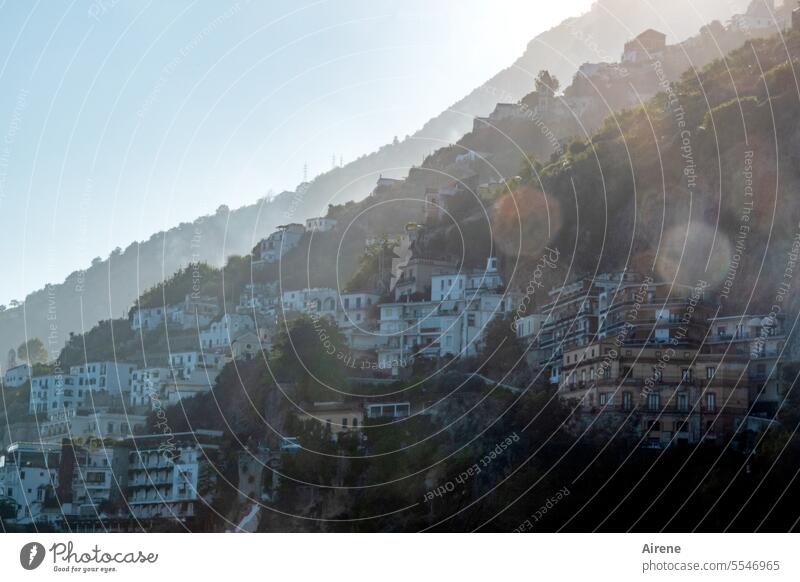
[31,555]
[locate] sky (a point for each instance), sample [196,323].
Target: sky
[119,119]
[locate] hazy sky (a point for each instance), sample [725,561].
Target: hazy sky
[122,118]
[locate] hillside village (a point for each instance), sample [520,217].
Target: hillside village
[407,299]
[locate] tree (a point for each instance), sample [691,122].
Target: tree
[547,84]
[32,351]
[311,354]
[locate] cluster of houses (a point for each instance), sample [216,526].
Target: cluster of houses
[137,479]
[623,348]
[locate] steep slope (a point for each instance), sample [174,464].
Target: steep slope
[107,288]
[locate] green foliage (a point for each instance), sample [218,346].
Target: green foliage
[374,266]
[501,348]
[311,354]
[32,351]
[199,278]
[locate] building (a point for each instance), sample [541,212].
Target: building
[354,308]
[114,377]
[452,286]
[761,16]
[171,476]
[90,424]
[148,318]
[389,410]
[648,46]
[29,476]
[183,364]
[414,282]
[337,417]
[320,224]
[16,376]
[196,312]
[280,242]
[529,327]
[147,386]
[666,394]
[437,329]
[762,339]
[52,393]
[220,333]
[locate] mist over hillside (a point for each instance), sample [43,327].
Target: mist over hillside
[107,288]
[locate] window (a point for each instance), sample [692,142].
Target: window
[711,402]
[683,402]
[355,422]
[344,423]
[653,402]
[605,398]
[686,374]
[626,400]
[710,371]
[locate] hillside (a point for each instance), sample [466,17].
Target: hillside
[108,287]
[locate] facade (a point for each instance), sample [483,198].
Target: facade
[16,376]
[90,424]
[338,417]
[196,312]
[415,277]
[320,224]
[148,319]
[170,475]
[147,385]
[762,339]
[29,476]
[114,377]
[448,287]
[666,394]
[280,242]
[220,333]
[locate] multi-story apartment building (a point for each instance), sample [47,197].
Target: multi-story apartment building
[147,384]
[414,282]
[29,476]
[196,312]
[668,394]
[91,423]
[450,286]
[171,475]
[148,318]
[114,377]
[762,339]
[452,328]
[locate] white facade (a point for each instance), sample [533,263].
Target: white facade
[53,393]
[529,326]
[29,474]
[220,333]
[16,376]
[147,386]
[196,312]
[280,242]
[90,424]
[148,319]
[170,473]
[320,224]
[450,287]
[115,377]
[452,328]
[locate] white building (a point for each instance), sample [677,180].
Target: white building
[184,364]
[454,286]
[29,476]
[89,424]
[115,377]
[148,319]
[353,308]
[53,393]
[147,386]
[16,376]
[222,332]
[528,327]
[196,312]
[451,328]
[171,475]
[280,242]
[320,224]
